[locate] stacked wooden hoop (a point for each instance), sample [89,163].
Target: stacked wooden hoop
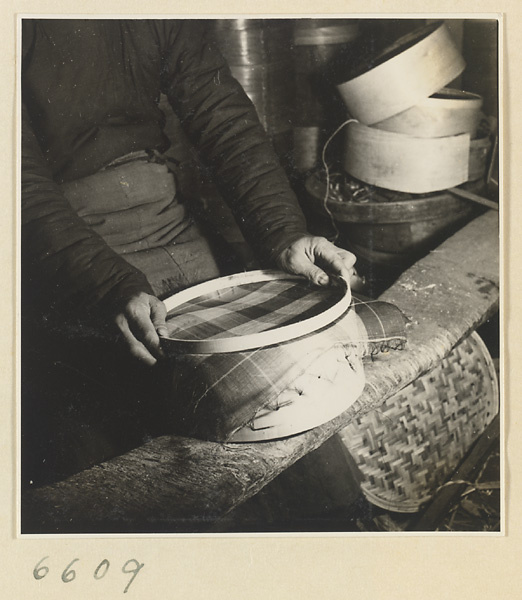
[410,133]
[259,54]
[318,43]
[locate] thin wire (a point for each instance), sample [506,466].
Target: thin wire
[327,171]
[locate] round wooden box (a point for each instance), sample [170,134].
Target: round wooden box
[261,355]
[404,74]
[318,44]
[403,163]
[259,54]
[446,113]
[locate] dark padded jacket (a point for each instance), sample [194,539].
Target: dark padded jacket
[90,91]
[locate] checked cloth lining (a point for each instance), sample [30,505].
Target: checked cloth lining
[219,393]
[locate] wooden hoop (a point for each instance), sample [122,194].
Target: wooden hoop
[448,112]
[329,34]
[256,340]
[406,164]
[419,64]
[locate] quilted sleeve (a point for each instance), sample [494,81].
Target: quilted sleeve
[222,123]
[63,261]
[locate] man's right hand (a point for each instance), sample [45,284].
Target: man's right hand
[141,321]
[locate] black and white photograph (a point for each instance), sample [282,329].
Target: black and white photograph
[260,280]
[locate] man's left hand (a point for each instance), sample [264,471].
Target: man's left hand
[318,259]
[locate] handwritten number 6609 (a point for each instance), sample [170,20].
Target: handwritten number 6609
[69,574]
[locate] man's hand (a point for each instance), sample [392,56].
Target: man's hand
[141,322]
[316,258]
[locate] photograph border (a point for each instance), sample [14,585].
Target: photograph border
[316,542]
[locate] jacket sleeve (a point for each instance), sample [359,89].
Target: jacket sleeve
[222,123]
[63,261]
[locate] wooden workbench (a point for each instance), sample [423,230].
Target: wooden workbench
[175,484]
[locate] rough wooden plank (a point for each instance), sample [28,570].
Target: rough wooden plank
[179,484]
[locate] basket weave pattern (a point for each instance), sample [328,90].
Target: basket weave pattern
[409,446]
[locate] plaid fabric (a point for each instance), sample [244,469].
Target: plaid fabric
[383,323]
[217,394]
[132,204]
[249,308]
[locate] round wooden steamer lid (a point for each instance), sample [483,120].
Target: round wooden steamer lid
[257,340]
[448,112]
[316,32]
[415,67]
[405,164]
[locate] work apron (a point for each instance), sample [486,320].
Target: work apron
[134,205]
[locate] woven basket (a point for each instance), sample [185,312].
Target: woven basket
[410,446]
